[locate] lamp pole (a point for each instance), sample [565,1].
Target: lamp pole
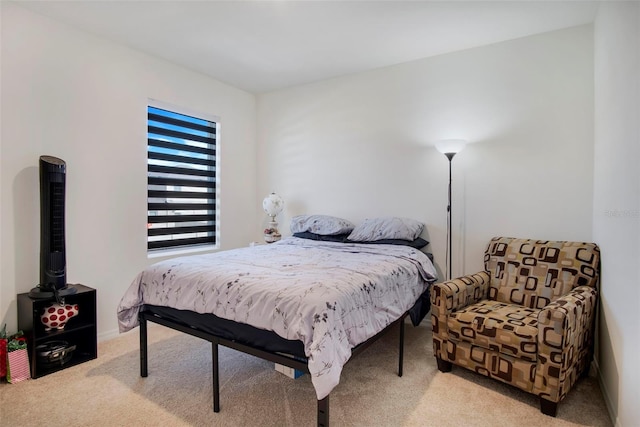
[449,219]
[449,147]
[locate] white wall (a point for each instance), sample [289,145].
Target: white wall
[361,145]
[69,94]
[616,209]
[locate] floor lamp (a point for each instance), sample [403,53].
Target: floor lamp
[450,147]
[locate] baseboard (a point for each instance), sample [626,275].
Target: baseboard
[613,411]
[108,335]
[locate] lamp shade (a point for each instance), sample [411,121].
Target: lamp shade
[448,146]
[273,204]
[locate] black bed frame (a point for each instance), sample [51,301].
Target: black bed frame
[290,361]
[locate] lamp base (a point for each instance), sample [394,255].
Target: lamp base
[271,238]
[271,234]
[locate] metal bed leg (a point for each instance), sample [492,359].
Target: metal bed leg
[323,412]
[143,347]
[216,380]
[401,355]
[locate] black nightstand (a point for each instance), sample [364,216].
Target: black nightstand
[80,331]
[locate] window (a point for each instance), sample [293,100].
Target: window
[181,180]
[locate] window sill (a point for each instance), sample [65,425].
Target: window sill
[166,253]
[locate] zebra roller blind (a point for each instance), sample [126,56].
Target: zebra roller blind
[181,180]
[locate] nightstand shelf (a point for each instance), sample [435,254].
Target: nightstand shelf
[80,331]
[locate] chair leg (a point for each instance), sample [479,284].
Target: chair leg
[548,407]
[585,371]
[443,365]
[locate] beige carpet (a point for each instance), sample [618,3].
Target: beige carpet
[108,391]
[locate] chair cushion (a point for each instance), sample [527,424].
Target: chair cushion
[507,328]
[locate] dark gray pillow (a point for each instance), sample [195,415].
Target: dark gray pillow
[322,237]
[417,243]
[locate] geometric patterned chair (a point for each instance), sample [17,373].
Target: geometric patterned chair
[527,319]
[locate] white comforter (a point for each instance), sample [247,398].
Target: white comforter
[331,296]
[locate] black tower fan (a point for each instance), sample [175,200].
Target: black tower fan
[53,262]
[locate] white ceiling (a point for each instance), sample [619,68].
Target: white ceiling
[261,46]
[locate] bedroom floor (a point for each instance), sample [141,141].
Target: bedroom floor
[108,391]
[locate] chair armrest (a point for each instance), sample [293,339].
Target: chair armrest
[565,333]
[459,293]
[447,297]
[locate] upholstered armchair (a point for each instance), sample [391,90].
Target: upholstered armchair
[527,319]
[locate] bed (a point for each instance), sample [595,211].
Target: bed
[305,303]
